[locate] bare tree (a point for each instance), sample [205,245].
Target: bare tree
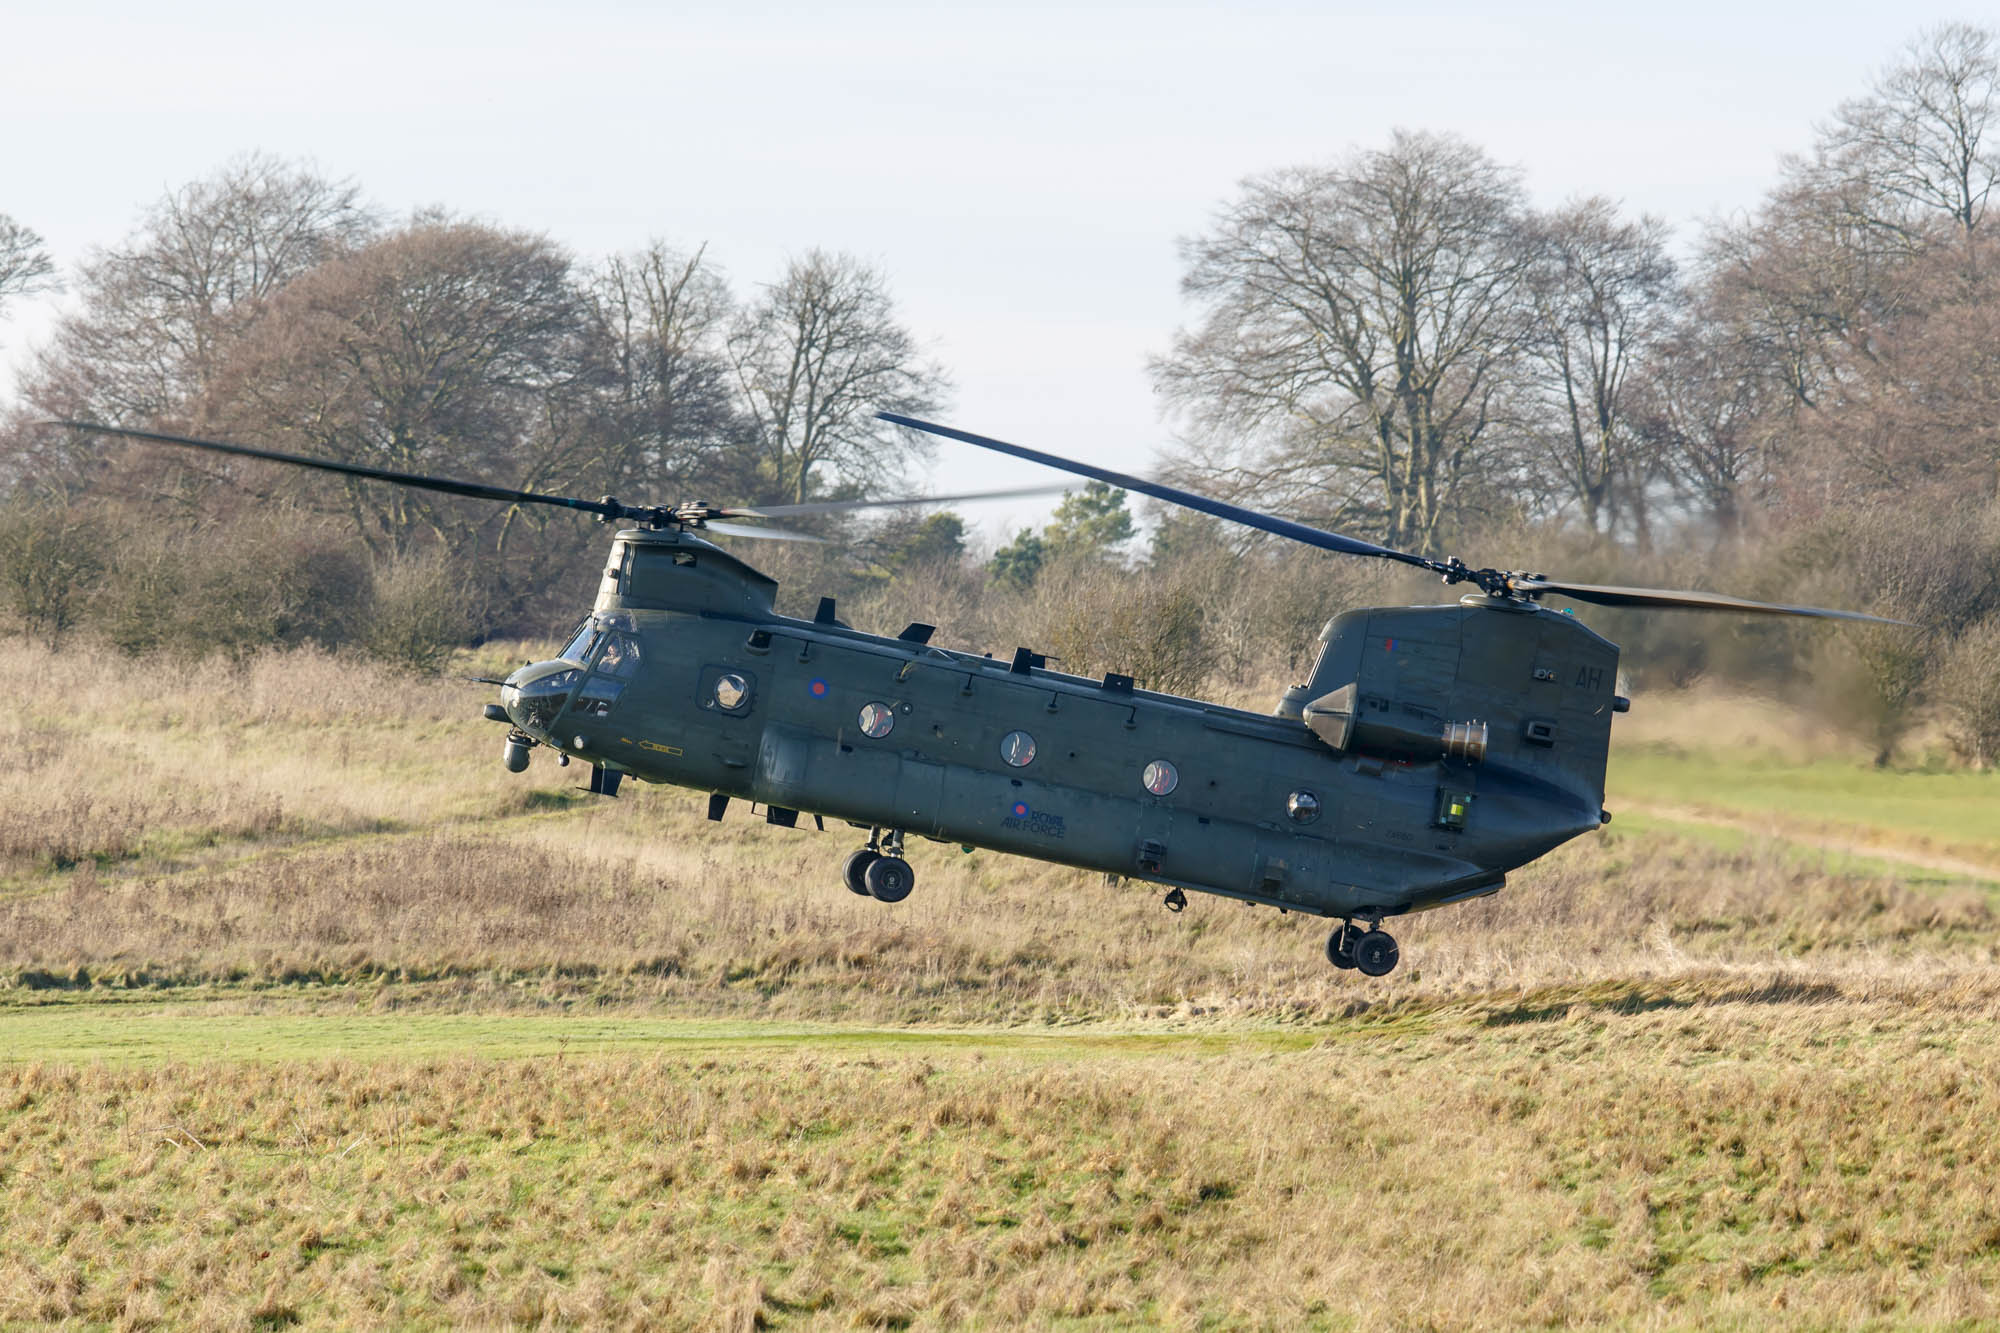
[815,358]
[673,420]
[158,313]
[446,348]
[1601,291]
[25,266]
[1919,410]
[1923,137]
[1706,411]
[1366,320]
[1861,286]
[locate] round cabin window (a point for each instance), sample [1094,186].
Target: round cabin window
[1161,777]
[730,691]
[1018,749]
[877,720]
[1302,806]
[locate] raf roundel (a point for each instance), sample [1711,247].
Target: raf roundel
[817,689]
[1020,810]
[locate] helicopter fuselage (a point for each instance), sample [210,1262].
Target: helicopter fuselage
[686,675]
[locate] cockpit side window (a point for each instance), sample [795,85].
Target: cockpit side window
[597,696]
[619,656]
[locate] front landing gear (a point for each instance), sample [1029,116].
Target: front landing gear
[1372,952]
[878,870]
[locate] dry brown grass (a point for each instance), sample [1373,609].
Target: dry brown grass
[1739,1163]
[1656,1081]
[308,820]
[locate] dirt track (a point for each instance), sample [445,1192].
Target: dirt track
[1823,839]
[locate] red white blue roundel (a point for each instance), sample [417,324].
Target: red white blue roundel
[817,688]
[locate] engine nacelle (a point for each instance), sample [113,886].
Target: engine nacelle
[1349,722]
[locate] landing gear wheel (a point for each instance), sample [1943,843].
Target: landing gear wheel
[1375,953]
[855,867]
[1340,945]
[889,879]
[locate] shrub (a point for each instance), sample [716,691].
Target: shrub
[423,609]
[1968,690]
[50,564]
[280,579]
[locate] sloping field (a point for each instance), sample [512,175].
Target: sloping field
[310,1013]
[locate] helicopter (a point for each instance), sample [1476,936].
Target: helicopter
[1430,751]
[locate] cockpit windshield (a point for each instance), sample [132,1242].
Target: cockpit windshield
[581,641]
[612,631]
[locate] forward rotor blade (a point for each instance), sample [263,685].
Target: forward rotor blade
[768,534]
[472,489]
[1611,595]
[841,506]
[1283,527]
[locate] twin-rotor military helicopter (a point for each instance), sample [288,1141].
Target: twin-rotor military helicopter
[1431,750]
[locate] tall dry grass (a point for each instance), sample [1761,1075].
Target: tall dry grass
[306,821]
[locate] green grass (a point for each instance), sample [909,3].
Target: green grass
[1802,852]
[1950,810]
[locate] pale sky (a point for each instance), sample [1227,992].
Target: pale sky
[1022,175]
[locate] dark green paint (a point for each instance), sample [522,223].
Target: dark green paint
[1377,844]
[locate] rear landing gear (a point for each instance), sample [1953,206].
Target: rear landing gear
[878,870]
[1372,952]
[854,869]
[890,879]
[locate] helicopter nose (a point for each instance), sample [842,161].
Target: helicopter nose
[536,694]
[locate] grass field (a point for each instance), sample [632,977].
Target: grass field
[312,1014]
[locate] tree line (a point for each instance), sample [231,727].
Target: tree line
[1409,347]
[269,303]
[1796,403]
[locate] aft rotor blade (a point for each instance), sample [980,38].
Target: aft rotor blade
[471,489]
[1611,595]
[1283,527]
[842,506]
[768,534]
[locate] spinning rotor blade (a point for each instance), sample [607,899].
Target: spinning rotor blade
[472,489]
[1493,582]
[1611,595]
[1283,527]
[842,506]
[769,534]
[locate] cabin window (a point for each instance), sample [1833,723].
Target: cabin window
[877,720]
[730,691]
[1302,807]
[1161,777]
[1018,749]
